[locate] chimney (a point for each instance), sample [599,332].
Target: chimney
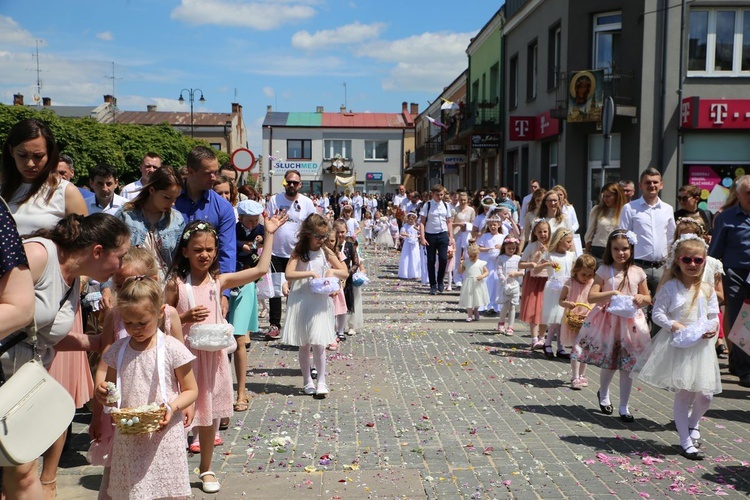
[319,109]
[269,108]
[46,101]
[151,108]
[342,109]
[404,107]
[109,99]
[17,99]
[236,107]
[414,108]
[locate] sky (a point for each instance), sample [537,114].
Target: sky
[294,55]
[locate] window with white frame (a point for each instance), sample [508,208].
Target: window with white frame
[719,42]
[333,147]
[607,41]
[376,150]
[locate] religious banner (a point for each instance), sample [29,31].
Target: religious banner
[586,89]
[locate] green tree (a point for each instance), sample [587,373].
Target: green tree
[89,142]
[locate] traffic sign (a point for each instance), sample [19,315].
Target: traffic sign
[243,159]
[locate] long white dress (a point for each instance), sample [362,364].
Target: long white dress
[489,240]
[410,264]
[695,368]
[309,316]
[473,293]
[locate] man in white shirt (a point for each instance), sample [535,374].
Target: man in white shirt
[400,196]
[357,203]
[103,181]
[652,221]
[436,231]
[298,207]
[149,163]
[526,200]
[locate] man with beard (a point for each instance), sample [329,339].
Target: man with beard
[298,207]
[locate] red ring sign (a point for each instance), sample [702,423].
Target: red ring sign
[243,159]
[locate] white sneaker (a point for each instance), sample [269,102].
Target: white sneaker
[322,391]
[351,332]
[309,388]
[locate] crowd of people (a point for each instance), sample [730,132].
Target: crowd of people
[641,293]
[149,279]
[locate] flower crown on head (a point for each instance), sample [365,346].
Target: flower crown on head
[682,239]
[690,220]
[203,226]
[511,240]
[536,223]
[629,235]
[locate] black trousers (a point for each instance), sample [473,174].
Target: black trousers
[736,291]
[437,246]
[278,265]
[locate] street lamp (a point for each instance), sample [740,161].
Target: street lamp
[191,96]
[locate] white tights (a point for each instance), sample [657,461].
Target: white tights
[626,385]
[341,323]
[508,314]
[319,358]
[684,419]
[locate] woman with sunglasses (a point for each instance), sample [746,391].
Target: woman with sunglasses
[688,199]
[298,207]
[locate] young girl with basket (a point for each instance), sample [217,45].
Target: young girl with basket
[682,356]
[574,298]
[509,284]
[147,463]
[615,333]
[310,318]
[194,290]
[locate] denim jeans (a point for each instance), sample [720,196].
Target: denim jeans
[437,245]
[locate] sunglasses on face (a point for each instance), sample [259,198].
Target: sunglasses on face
[692,260]
[684,198]
[320,237]
[293,183]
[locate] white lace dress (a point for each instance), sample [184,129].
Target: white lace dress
[695,368]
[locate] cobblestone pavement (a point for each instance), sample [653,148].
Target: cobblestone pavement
[425,405]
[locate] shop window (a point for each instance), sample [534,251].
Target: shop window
[607,38]
[333,147]
[719,42]
[376,150]
[299,149]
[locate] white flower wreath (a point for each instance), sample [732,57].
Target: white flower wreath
[631,237]
[198,227]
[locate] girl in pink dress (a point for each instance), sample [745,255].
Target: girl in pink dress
[196,263]
[339,300]
[576,292]
[148,367]
[608,340]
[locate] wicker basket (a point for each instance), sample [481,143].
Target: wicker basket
[147,420]
[575,320]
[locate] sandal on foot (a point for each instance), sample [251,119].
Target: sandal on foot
[584,381]
[575,384]
[548,352]
[562,354]
[209,486]
[509,331]
[537,344]
[606,409]
[223,424]
[469,319]
[500,327]
[242,404]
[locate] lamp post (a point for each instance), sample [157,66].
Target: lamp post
[191,96]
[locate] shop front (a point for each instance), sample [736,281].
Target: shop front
[715,146]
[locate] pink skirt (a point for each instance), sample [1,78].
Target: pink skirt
[339,303]
[611,342]
[532,294]
[71,369]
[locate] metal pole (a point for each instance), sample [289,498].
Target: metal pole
[192,131]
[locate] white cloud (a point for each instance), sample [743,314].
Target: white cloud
[343,35]
[426,62]
[260,15]
[12,34]
[275,64]
[107,36]
[269,92]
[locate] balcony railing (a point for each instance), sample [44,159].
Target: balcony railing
[620,85]
[432,147]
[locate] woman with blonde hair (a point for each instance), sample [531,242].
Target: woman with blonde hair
[604,218]
[531,214]
[567,208]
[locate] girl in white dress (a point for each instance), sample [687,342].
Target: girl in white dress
[367,224]
[689,369]
[309,316]
[489,244]
[474,290]
[561,261]
[509,278]
[410,264]
[384,239]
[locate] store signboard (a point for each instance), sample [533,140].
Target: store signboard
[521,128]
[374,176]
[715,114]
[485,141]
[546,126]
[304,167]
